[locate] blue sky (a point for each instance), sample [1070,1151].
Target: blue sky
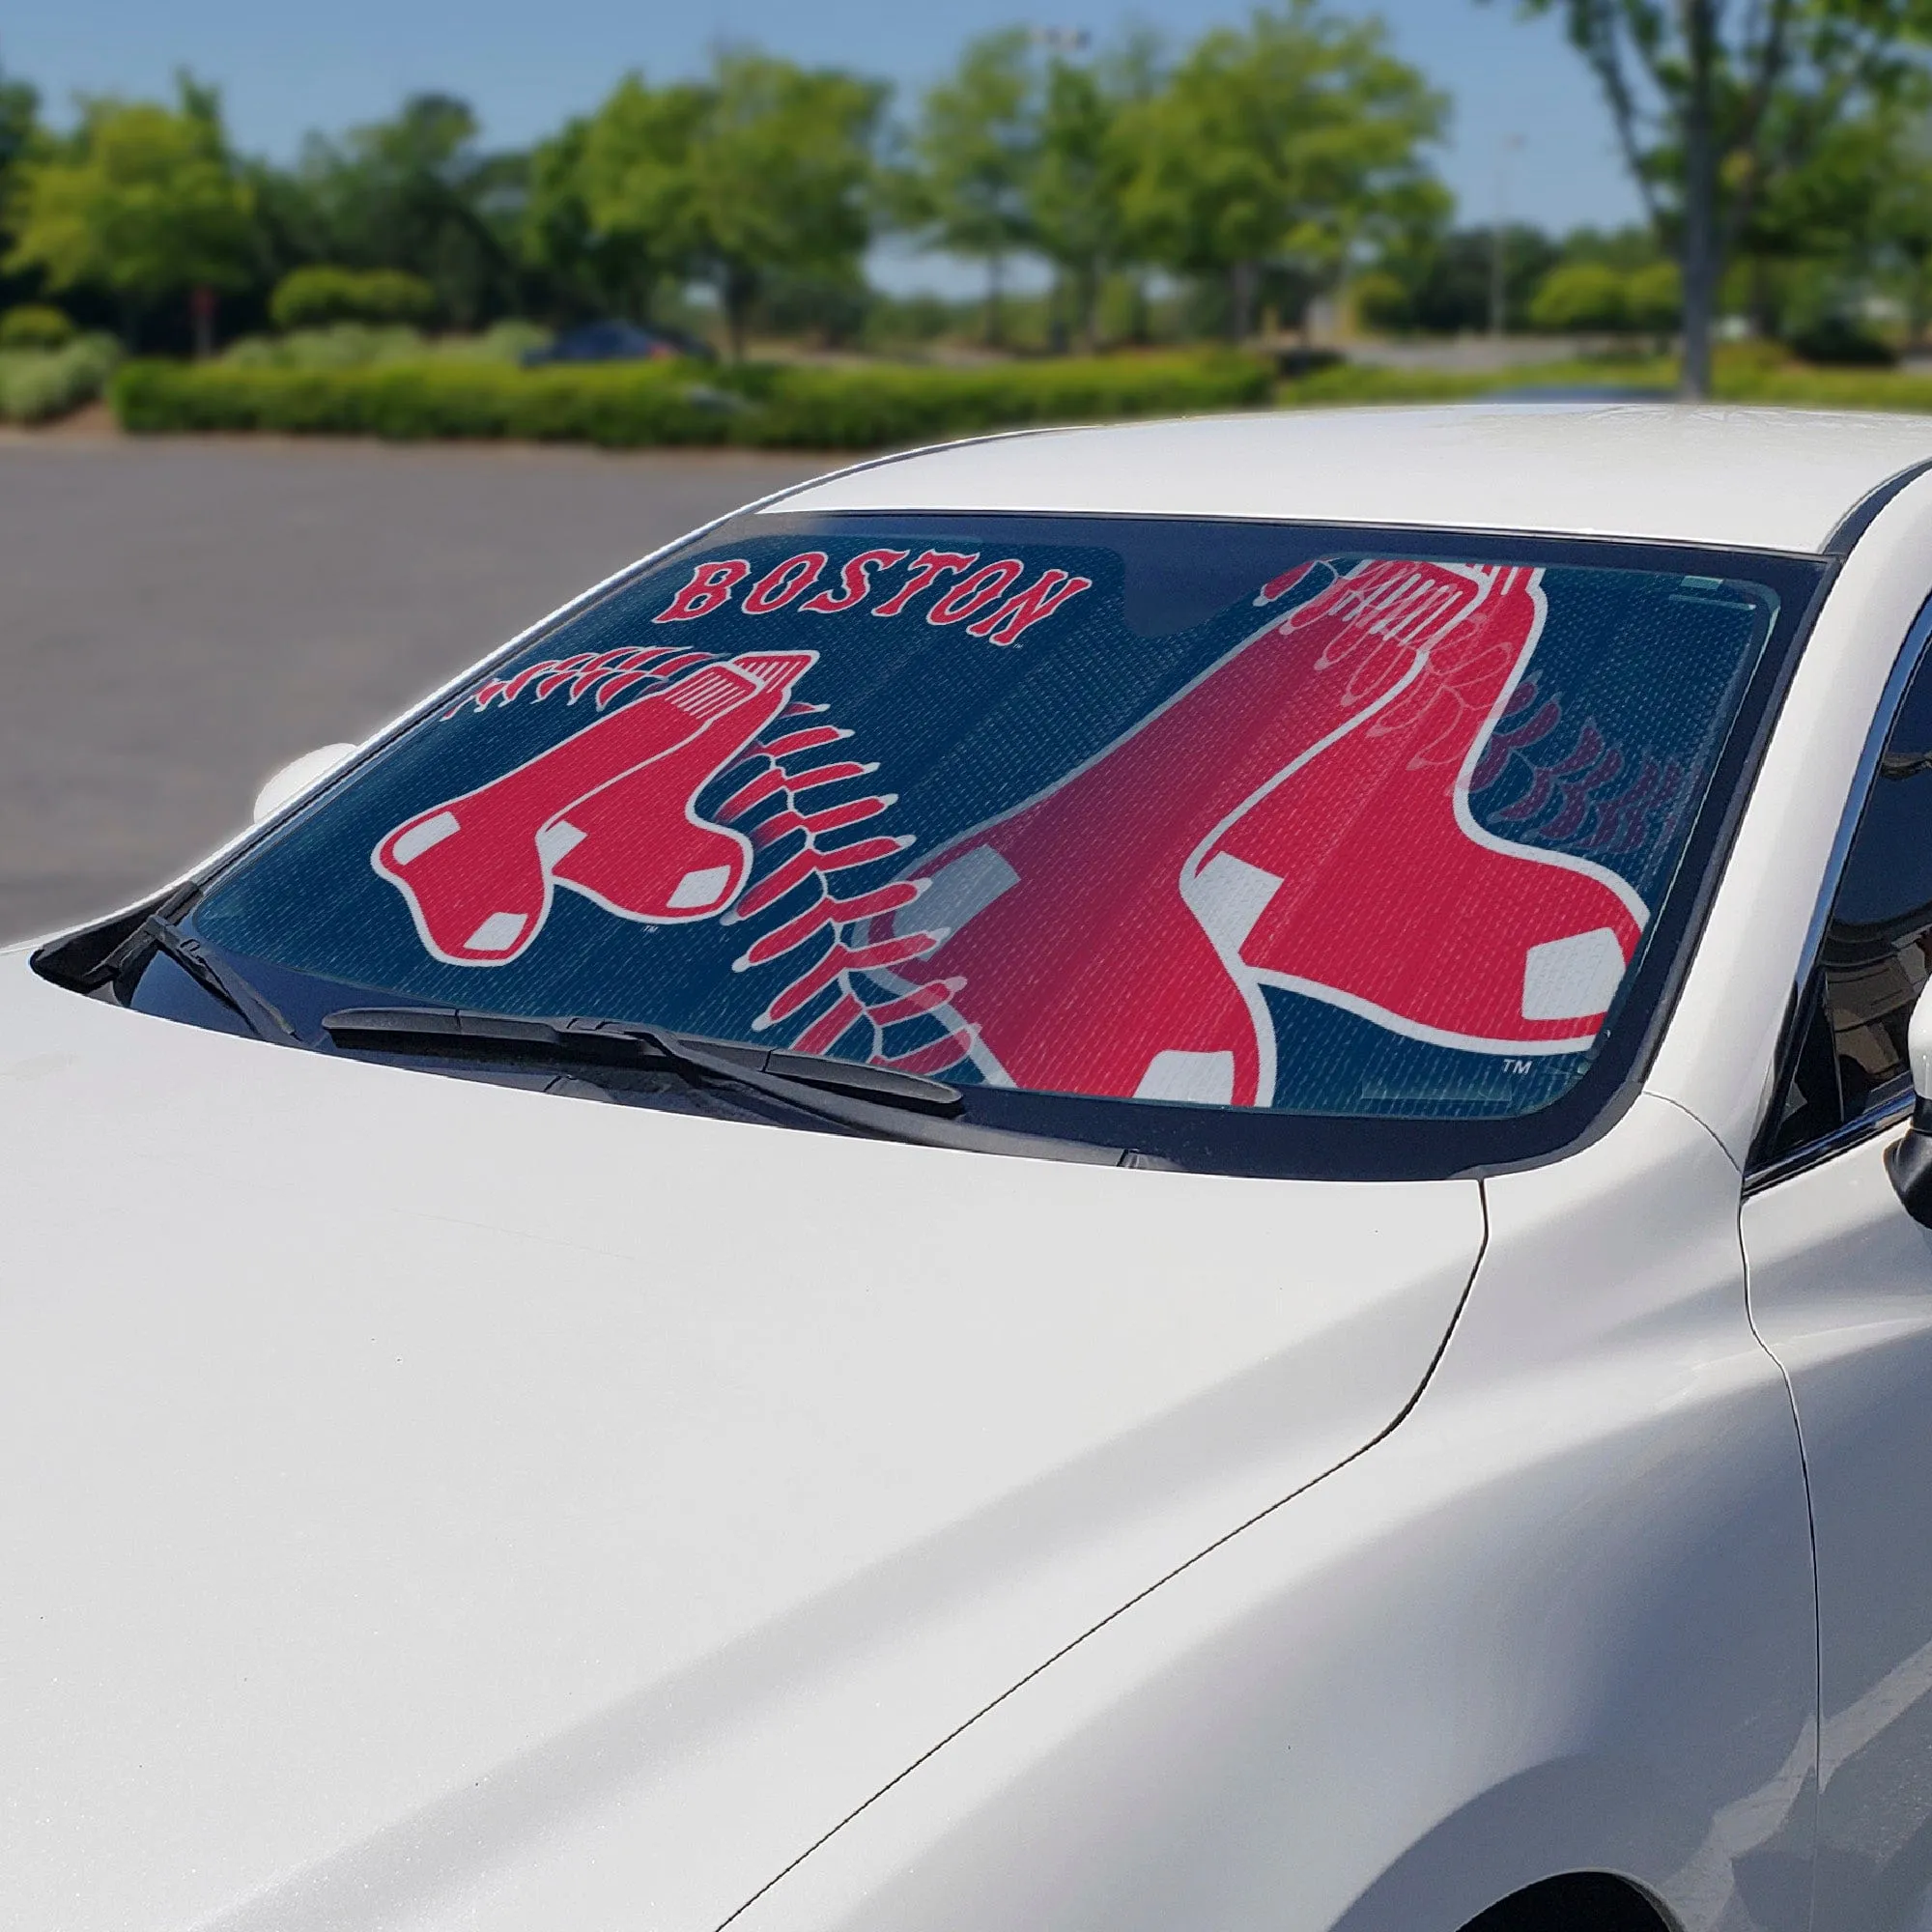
[284,70]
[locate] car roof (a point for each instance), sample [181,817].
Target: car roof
[1770,479]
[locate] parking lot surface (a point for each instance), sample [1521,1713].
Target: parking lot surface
[177,618]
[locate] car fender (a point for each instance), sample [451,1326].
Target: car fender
[1560,1618]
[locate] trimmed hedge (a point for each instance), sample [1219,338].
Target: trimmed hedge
[41,385]
[361,345]
[313,297]
[35,326]
[1746,373]
[633,404]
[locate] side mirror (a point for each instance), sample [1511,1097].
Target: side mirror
[295,777]
[1910,1161]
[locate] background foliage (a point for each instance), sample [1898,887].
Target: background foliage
[1269,184]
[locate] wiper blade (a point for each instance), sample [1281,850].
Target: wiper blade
[223,982]
[618,1043]
[873,1100]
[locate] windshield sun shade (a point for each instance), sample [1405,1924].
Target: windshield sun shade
[1190,817]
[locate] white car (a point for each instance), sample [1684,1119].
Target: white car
[1121,1180]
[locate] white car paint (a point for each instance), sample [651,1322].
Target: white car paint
[1772,479]
[1511,1639]
[442,1491]
[445,1506]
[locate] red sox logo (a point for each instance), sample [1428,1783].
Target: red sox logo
[1296,816]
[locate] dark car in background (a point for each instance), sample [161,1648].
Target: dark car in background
[615,341]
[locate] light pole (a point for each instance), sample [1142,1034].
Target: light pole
[1506,145]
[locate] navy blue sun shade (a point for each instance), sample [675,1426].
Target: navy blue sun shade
[1340,833]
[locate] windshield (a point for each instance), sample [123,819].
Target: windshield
[1195,816]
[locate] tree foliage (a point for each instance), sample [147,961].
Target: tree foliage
[143,199]
[314,297]
[416,193]
[760,171]
[1084,161]
[1718,104]
[1783,148]
[974,151]
[603,217]
[1296,137]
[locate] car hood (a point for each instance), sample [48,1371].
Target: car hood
[429,1503]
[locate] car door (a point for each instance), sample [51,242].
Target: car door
[1840,1286]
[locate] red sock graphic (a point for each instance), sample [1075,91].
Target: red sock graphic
[1297,815]
[608,811]
[645,853]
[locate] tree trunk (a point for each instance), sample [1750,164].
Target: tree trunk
[1915,300]
[1086,296]
[1701,266]
[1763,300]
[1241,280]
[996,325]
[740,289]
[201,310]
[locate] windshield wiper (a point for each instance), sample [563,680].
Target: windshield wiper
[222,983]
[877,1100]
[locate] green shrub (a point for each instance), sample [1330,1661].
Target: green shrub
[35,325]
[341,345]
[1381,300]
[507,341]
[1581,298]
[637,404]
[38,384]
[1841,341]
[1654,297]
[315,298]
[361,345]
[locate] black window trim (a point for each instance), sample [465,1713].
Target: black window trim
[1356,1148]
[1892,1105]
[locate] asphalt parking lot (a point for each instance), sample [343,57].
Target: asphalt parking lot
[177,618]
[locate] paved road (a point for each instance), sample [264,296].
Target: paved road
[178,619]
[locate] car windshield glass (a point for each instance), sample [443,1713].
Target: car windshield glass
[1203,815]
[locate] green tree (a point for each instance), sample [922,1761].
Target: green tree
[974,152]
[20,136]
[19,124]
[1445,274]
[143,200]
[782,176]
[1581,295]
[1654,297]
[1714,106]
[1076,190]
[1292,140]
[609,214]
[765,169]
[416,192]
[1899,217]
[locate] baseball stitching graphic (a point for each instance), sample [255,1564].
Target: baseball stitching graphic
[1297,817]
